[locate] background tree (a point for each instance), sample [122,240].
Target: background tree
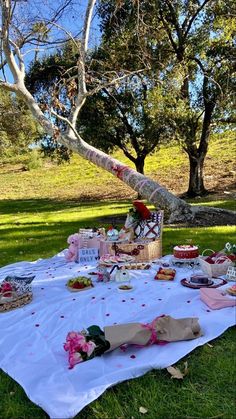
[190,47]
[122,113]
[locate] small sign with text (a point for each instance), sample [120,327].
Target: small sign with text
[88,255]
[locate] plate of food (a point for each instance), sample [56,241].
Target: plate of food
[125,288]
[80,283]
[201,281]
[115,259]
[165,274]
[232,290]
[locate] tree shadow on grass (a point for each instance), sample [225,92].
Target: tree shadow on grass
[13,206]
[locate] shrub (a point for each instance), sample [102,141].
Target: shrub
[35,161]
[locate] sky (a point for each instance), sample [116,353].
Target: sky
[71,21]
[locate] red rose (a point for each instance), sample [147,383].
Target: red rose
[142,210]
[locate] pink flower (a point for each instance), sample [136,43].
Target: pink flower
[88,347]
[74,358]
[74,341]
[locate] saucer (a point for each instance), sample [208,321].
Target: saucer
[125,288]
[214,284]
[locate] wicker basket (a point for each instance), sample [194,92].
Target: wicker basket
[16,302]
[141,251]
[214,270]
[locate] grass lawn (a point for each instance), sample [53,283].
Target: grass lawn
[38,210]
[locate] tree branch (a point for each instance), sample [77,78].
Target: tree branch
[6,42]
[82,90]
[166,27]
[194,17]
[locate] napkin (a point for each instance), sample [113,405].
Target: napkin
[215,299]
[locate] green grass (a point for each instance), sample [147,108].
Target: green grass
[83,181]
[39,209]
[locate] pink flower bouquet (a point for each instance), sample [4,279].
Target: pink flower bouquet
[84,345]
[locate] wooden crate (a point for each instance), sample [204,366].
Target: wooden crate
[141,251]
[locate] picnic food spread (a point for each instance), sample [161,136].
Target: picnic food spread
[187,251]
[126,300]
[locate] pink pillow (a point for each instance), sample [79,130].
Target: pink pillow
[215,300]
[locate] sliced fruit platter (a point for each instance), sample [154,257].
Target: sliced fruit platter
[80,283]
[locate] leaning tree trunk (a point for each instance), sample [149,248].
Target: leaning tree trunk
[196,181]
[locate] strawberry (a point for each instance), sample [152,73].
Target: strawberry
[78,286]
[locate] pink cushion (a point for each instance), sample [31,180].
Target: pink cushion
[215,300]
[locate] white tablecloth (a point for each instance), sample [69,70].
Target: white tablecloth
[32,337]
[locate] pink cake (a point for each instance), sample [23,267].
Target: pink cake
[186,251]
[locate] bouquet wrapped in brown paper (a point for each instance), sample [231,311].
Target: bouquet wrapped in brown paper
[92,342]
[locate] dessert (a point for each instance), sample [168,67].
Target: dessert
[79,283]
[186,251]
[232,290]
[138,265]
[114,259]
[199,279]
[166,274]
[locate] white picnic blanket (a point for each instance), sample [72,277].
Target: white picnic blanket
[32,337]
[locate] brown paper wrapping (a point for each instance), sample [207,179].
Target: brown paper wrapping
[165,328]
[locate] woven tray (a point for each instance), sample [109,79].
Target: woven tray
[17,302]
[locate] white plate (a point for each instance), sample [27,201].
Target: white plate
[120,290]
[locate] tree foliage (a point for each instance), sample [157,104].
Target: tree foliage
[189,47]
[122,113]
[18,129]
